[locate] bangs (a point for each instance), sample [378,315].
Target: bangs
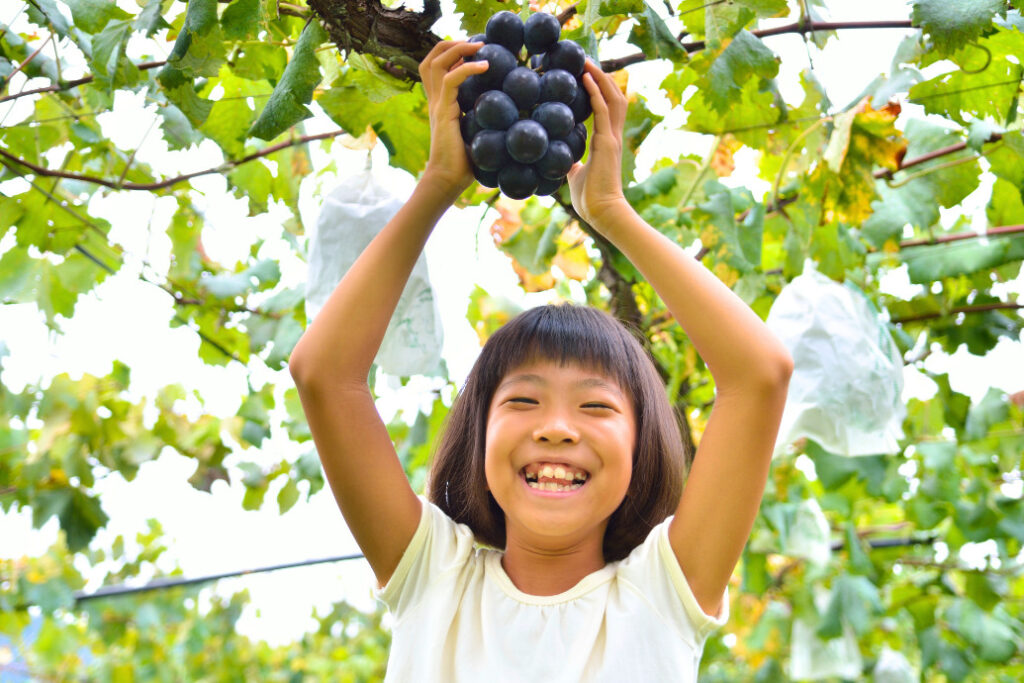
[565,334]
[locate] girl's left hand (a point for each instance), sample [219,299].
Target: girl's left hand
[596,186]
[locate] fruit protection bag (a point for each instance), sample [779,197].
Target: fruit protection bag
[847,383]
[351,216]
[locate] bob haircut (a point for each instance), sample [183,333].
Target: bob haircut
[569,335]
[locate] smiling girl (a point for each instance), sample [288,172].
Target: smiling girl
[557,542]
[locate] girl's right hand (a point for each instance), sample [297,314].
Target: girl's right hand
[442,71]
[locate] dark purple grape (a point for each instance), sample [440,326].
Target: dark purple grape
[478,38]
[577,144]
[556,162]
[556,118]
[506,29]
[495,110]
[485,178]
[581,128]
[469,126]
[558,85]
[548,186]
[566,55]
[541,32]
[470,89]
[526,141]
[488,150]
[523,86]
[499,63]
[536,61]
[518,181]
[580,104]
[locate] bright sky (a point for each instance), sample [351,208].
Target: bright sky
[126,319]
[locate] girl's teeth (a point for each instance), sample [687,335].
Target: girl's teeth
[552,486]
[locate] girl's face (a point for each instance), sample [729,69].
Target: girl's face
[559,453]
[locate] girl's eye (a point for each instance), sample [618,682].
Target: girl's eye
[520,399]
[596,405]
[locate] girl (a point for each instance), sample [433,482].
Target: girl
[546,550]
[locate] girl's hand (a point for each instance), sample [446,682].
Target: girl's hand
[442,71]
[596,187]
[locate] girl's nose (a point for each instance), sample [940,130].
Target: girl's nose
[555,429]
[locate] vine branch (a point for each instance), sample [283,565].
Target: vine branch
[167,182]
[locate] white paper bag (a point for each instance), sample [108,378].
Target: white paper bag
[351,216]
[845,392]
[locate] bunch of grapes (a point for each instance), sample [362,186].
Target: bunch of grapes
[522,119]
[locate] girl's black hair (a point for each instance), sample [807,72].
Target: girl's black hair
[569,335]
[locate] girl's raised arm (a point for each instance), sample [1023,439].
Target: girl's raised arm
[750,366]
[332,360]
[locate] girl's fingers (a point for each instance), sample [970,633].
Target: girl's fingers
[602,121]
[455,77]
[444,61]
[431,56]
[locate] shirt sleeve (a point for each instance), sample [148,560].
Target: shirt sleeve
[438,546]
[653,568]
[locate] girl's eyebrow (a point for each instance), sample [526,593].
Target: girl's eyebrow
[587,383]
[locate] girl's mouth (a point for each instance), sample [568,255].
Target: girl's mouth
[554,477]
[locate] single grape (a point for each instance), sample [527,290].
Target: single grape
[506,29]
[478,38]
[470,89]
[536,61]
[518,181]
[526,141]
[581,128]
[558,85]
[499,63]
[485,178]
[548,186]
[556,118]
[580,104]
[577,144]
[556,162]
[495,110]
[541,32]
[566,55]
[523,86]
[469,126]
[488,151]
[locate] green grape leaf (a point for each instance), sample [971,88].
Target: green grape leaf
[952,25]
[241,19]
[260,276]
[475,13]
[737,244]
[640,121]
[930,263]
[108,48]
[1007,159]
[993,638]
[654,38]
[609,8]
[81,519]
[918,193]
[754,112]
[286,105]
[854,601]
[745,56]
[149,19]
[401,122]
[199,47]
[45,13]
[1006,206]
[964,95]
[93,15]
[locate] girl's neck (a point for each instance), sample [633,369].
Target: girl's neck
[542,572]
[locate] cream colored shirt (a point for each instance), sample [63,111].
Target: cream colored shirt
[458,617]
